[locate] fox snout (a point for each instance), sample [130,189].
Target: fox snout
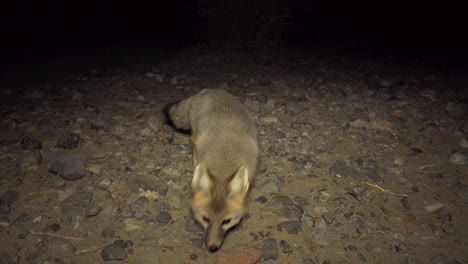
[214,237]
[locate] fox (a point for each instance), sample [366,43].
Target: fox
[225,156]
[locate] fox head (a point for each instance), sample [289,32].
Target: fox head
[218,204]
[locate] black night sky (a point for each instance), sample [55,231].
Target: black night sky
[409,28]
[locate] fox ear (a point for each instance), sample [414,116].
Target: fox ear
[201,179]
[240,182]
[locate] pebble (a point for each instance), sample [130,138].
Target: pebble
[329,217]
[123,243]
[286,247]
[113,252]
[93,211]
[108,233]
[371,174]
[340,170]
[164,217]
[283,206]
[458,158]
[51,228]
[307,220]
[69,140]
[440,259]
[434,207]
[261,200]
[270,249]
[292,227]
[361,194]
[69,168]
[242,254]
[28,142]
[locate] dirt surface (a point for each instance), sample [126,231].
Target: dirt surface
[362,161]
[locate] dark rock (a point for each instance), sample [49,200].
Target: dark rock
[276,136]
[301,201]
[371,174]
[113,252]
[361,194]
[123,243]
[283,206]
[22,219]
[197,242]
[286,247]
[292,227]
[108,233]
[352,248]
[261,199]
[270,249]
[21,236]
[192,226]
[79,199]
[52,228]
[103,120]
[127,211]
[69,140]
[329,217]
[164,217]
[348,215]
[138,207]
[341,170]
[93,211]
[405,203]
[311,261]
[69,168]
[30,143]
[404,260]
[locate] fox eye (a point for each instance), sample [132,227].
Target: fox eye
[226,221]
[206,219]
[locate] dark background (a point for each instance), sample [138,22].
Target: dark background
[428,30]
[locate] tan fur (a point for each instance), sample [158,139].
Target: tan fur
[225,157]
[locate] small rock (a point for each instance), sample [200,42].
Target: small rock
[434,207]
[113,252]
[329,217]
[105,183]
[361,194]
[261,199]
[286,247]
[301,201]
[69,140]
[371,174]
[307,220]
[93,211]
[340,169]
[292,227]
[127,211]
[108,233]
[22,219]
[242,254]
[52,228]
[458,158]
[283,206]
[123,243]
[164,217]
[69,168]
[30,143]
[138,207]
[270,249]
[79,199]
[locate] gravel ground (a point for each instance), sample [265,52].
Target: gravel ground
[362,161]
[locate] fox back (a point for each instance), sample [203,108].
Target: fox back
[225,157]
